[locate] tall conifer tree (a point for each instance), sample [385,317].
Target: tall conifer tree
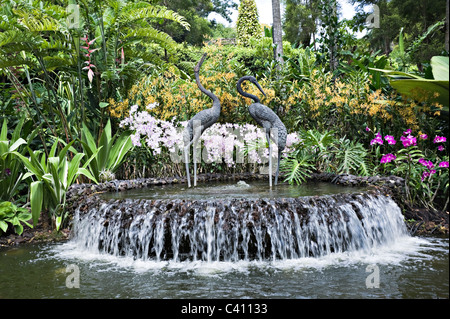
[247,24]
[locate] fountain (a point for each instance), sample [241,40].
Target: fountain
[232,222]
[157,238]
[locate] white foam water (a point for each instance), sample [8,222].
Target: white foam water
[366,229]
[404,250]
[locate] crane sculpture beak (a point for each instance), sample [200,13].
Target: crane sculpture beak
[260,88]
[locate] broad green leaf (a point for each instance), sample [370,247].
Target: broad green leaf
[36,199]
[34,170]
[398,74]
[105,142]
[440,69]
[63,171]
[4,146]
[63,152]
[86,173]
[119,150]
[16,145]
[4,131]
[24,216]
[18,228]
[3,226]
[411,87]
[86,137]
[52,152]
[58,222]
[73,168]
[5,207]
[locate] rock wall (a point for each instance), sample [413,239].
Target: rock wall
[391,185]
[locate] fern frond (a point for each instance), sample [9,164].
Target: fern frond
[36,21]
[137,11]
[152,35]
[17,38]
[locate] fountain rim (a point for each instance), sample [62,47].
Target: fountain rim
[79,194]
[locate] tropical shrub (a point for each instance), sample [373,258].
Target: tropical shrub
[76,56]
[11,170]
[105,157]
[297,167]
[13,215]
[51,176]
[434,91]
[324,152]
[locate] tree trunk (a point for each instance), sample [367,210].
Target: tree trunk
[446,28]
[277,33]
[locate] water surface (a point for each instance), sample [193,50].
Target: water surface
[415,267]
[226,190]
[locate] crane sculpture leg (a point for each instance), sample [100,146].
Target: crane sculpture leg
[188,142]
[199,123]
[278,168]
[270,158]
[266,118]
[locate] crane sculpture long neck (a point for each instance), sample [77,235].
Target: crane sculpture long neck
[246,94]
[216,102]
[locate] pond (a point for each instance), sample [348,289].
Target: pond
[232,241]
[413,267]
[226,190]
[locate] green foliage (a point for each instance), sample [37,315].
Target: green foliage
[324,152]
[11,214]
[330,35]
[415,17]
[300,21]
[247,24]
[196,13]
[416,87]
[10,168]
[350,157]
[297,167]
[108,155]
[51,177]
[70,70]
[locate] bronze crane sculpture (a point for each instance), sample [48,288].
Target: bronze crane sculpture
[266,118]
[199,123]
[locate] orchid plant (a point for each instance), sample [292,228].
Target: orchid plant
[424,177]
[228,145]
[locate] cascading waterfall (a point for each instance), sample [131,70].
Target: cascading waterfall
[238,229]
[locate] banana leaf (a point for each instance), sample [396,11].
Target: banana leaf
[409,84]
